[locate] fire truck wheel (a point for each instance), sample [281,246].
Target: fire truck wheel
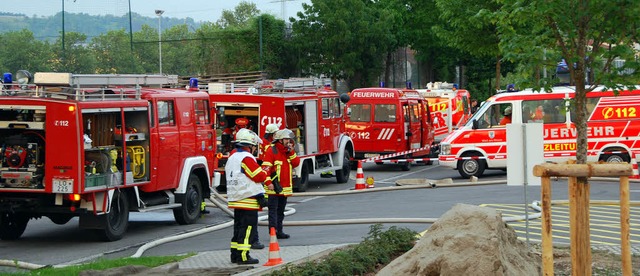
[342,176]
[12,226]
[406,166]
[614,158]
[189,212]
[303,181]
[471,167]
[117,220]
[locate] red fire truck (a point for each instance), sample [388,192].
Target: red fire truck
[613,128]
[384,121]
[449,106]
[305,106]
[100,146]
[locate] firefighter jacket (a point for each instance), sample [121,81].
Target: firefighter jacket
[281,164]
[266,145]
[243,180]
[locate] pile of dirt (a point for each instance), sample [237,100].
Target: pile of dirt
[467,240]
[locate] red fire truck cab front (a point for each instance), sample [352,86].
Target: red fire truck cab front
[384,121]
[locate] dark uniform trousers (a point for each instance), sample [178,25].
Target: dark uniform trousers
[244,221]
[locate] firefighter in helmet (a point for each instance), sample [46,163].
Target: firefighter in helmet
[267,139]
[279,161]
[244,177]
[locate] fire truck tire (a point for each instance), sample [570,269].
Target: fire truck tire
[116,221]
[303,181]
[614,158]
[189,212]
[12,226]
[405,166]
[342,176]
[471,167]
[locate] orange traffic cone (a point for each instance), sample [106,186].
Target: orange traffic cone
[274,249]
[360,178]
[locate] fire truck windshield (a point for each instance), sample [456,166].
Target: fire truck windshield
[478,115]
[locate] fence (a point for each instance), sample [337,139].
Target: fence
[579,212]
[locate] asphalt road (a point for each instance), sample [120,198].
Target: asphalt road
[47,243]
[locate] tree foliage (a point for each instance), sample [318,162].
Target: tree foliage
[589,35]
[343,43]
[239,16]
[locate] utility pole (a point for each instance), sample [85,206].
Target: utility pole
[159,14]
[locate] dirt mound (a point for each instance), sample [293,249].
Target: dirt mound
[467,240]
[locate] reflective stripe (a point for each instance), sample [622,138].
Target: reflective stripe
[245,246]
[249,172]
[246,204]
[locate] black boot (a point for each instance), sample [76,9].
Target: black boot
[235,256]
[282,235]
[248,261]
[257,245]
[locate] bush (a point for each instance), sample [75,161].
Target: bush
[378,249]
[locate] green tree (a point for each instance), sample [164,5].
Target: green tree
[20,50]
[113,53]
[239,16]
[179,54]
[211,57]
[585,34]
[145,49]
[77,57]
[342,39]
[471,28]
[275,57]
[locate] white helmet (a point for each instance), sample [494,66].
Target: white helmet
[257,139]
[507,111]
[246,137]
[271,128]
[284,134]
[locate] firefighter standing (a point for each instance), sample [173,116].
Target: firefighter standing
[279,161]
[269,131]
[244,177]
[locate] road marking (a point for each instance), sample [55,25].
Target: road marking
[604,223]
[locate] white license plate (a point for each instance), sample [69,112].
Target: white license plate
[369,155]
[63,186]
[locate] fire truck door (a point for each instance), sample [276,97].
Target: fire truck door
[311,127]
[412,126]
[205,138]
[165,169]
[425,127]
[327,128]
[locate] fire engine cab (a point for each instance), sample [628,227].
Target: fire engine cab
[449,106]
[613,128]
[306,106]
[384,121]
[100,146]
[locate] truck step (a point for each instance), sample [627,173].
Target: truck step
[160,207]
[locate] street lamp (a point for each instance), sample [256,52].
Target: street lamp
[159,14]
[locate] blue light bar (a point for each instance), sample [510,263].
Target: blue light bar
[7,78]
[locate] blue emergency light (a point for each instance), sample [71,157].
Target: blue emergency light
[7,78]
[193,84]
[409,85]
[382,84]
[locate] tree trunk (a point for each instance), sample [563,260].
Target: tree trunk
[387,69]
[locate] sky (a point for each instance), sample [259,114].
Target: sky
[199,10]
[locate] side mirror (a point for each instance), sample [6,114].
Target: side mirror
[344,98]
[474,124]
